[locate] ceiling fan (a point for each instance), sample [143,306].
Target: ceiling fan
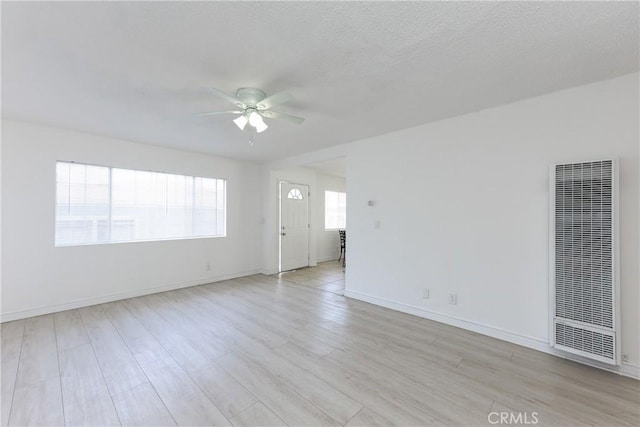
[254,105]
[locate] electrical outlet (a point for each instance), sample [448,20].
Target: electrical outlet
[625,358]
[453,299]
[425,293]
[208,266]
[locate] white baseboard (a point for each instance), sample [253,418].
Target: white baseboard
[627,370]
[85,302]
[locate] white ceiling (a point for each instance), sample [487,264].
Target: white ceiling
[134,70]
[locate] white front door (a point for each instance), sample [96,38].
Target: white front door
[294,226]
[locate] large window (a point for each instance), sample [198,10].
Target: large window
[335,210]
[97,204]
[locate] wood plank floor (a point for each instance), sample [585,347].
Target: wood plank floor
[285,350]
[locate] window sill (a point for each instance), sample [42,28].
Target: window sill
[171,239]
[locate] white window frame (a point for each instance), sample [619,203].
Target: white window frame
[325,210]
[111,168]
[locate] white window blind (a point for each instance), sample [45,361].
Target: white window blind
[97,204]
[335,210]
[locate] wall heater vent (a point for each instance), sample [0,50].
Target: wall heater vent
[584,290]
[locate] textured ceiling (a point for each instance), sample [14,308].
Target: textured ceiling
[135,70]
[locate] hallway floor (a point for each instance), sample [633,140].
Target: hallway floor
[326,276]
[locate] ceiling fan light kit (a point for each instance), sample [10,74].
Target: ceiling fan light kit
[254,105]
[256,121]
[241,121]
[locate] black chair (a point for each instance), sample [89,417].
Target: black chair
[343,247]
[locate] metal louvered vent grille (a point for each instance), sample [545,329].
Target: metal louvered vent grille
[584,340]
[584,290]
[584,264]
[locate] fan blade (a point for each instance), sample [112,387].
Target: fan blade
[282,116]
[215,113]
[278,98]
[229,98]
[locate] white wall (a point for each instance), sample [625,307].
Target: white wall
[463,206]
[328,241]
[38,277]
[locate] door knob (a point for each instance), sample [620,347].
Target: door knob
[283,234]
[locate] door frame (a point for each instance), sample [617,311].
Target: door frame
[284,181]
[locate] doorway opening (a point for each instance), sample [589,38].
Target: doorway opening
[293,226]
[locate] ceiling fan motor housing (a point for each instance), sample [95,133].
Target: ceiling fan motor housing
[250,96]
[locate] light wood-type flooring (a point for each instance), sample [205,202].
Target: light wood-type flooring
[286,350]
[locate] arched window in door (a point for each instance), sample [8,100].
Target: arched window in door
[295,194]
